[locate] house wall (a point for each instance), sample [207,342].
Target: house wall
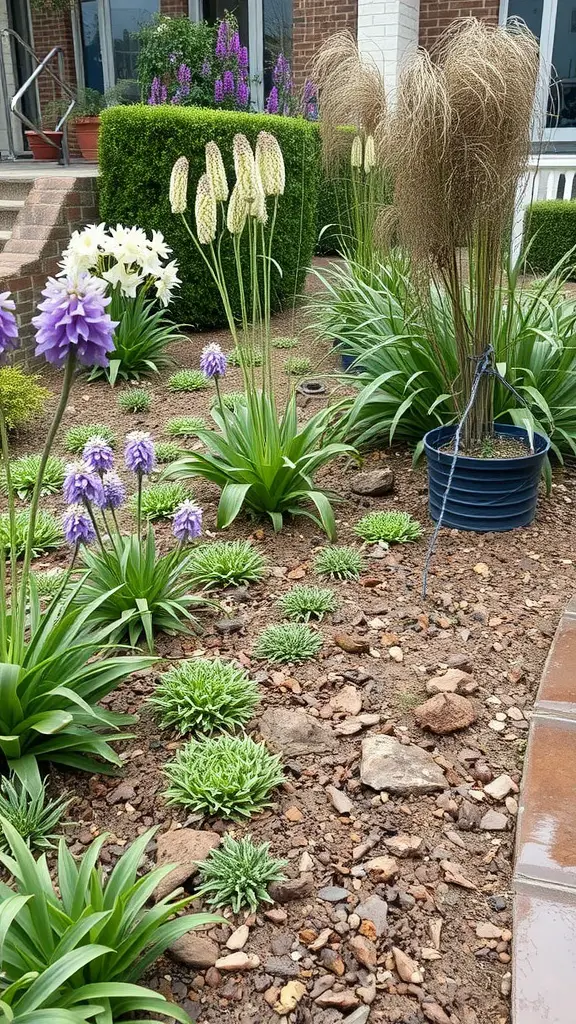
[436,15]
[314,21]
[387,30]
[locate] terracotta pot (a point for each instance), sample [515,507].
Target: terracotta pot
[42,150]
[87,129]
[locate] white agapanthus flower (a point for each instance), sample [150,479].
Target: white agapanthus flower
[127,244]
[166,282]
[85,247]
[129,280]
[159,246]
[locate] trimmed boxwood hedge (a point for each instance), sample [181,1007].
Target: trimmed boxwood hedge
[549,233]
[137,149]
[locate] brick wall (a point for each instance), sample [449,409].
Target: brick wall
[174,8]
[314,21]
[53,28]
[387,30]
[436,15]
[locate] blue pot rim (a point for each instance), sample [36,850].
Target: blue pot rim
[440,435]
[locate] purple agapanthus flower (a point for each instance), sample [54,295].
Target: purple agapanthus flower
[272,101]
[222,40]
[213,362]
[77,525]
[73,320]
[98,455]
[243,58]
[82,485]
[206,68]
[218,90]
[114,490]
[187,521]
[8,325]
[139,452]
[228,83]
[242,93]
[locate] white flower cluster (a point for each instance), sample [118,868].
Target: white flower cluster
[124,257]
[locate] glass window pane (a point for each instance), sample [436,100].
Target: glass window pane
[93,77]
[127,17]
[562,109]
[213,10]
[529,11]
[277,35]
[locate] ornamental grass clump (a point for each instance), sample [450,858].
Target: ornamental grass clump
[188,380]
[304,602]
[36,818]
[392,527]
[238,873]
[24,473]
[287,641]
[297,366]
[167,451]
[228,777]
[226,563]
[339,563]
[204,695]
[46,534]
[160,501]
[134,400]
[77,437]
[49,582]
[185,426]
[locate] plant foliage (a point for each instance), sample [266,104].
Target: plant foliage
[550,235]
[77,437]
[22,398]
[160,501]
[134,400]
[188,380]
[232,398]
[287,641]
[47,532]
[49,581]
[285,343]
[228,776]
[203,695]
[304,602]
[339,563]
[35,817]
[24,474]
[247,355]
[297,365]
[167,451]
[391,526]
[225,563]
[185,426]
[237,874]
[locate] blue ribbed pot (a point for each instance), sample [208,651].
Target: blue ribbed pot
[486,495]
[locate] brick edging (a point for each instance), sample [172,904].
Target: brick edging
[545,868]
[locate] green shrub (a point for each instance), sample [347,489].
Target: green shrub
[160,500]
[134,400]
[167,451]
[287,641]
[47,532]
[392,527]
[333,219]
[24,474]
[76,438]
[237,874]
[188,380]
[550,233]
[225,563]
[229,776]
[35,818]
[192,41]
[339,563]
[185,426]
[204,694]
[303,602]
[22,399]
[135,191]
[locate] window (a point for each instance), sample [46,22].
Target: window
[554,24]
[106,47]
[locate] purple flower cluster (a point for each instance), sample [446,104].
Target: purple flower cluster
[272,103]
[282,99]
[187,522]
[114,490]
[184,79]
[98,455]
[82,485]
[73,320]
[139,452]
[8,326]
[158,93]
[77,525]
[231,84]
[213,362]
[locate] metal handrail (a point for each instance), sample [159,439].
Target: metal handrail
[12,106]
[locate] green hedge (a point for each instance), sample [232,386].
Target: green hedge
[549,233]
[138,147]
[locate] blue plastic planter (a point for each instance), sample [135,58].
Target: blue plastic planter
[346,358]
[486,495]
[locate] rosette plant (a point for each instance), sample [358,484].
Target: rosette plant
[259,455]
[140,280]
[55,665]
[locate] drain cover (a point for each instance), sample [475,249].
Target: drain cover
[311,388]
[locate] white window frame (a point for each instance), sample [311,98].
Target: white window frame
[548,27]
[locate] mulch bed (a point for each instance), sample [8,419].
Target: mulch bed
[492,608]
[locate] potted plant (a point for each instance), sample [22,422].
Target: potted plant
[39,147]
[86,118]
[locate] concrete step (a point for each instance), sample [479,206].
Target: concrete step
[14,187]
[4,236]
[9,210]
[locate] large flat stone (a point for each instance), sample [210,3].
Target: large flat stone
[398,768]
[294,733]
[182,847]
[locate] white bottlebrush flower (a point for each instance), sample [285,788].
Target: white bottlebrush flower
[258,205]
[356,154]
[245,167]
[128,280]
[178,190]
[369,155]
[237,212]
[166,282]
[206,211]
[216,172]
[270,163]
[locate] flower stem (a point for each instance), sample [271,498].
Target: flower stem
[139,506]
[11,513]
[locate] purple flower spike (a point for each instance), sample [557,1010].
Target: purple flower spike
[8,326]
[272,101]
[139,452]
[213,362]
[73,319]
[187,521]
[243,58]
[82,485]
[228,83]
[184,77]
[242,93]
[77,525]
[234,45]
[222,40]
[206,69]
[98,455]
[114,490]
[218,90]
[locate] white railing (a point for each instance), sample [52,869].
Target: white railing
[549,176]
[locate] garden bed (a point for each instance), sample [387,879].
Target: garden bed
[493,605]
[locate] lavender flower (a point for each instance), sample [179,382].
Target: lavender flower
[184,77]
[73,319]
[176,98]
[98,455]
[228,83]
[213,362]
[187,521]
[114,490]
[309,93]
[218,90]
[139,452]
[158,93]
[81,485]
[206,69]
[77,525]
[243,58]
[8,326]
[222,40]
[279,71]
[242,93]
[272,101]
[234,45]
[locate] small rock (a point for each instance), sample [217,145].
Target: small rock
[455,874]
[451,681]
[400,768]
[333,894]
[339,800]
[506,984]
[487,930]
[359,1016]
[404,846]
[374,909]
[345,1000]
[291,889]
[434,1013]
[363,950]
[382,869]
[373,482]
[445,713]
[228,625]
[295,733]
[238,962]
[121,794]
[396,653]
[500,787]
[282,967]
[290,996]
[276,915]
[406,967]
[494,821]
[239,938]
[461,661]
[293,814]
[195,950]
[347,700]
[182,847]
[351,644]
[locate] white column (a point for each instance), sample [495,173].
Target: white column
[387,31]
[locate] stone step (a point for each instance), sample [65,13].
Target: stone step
[9,210]
[15,188]
[4,237]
